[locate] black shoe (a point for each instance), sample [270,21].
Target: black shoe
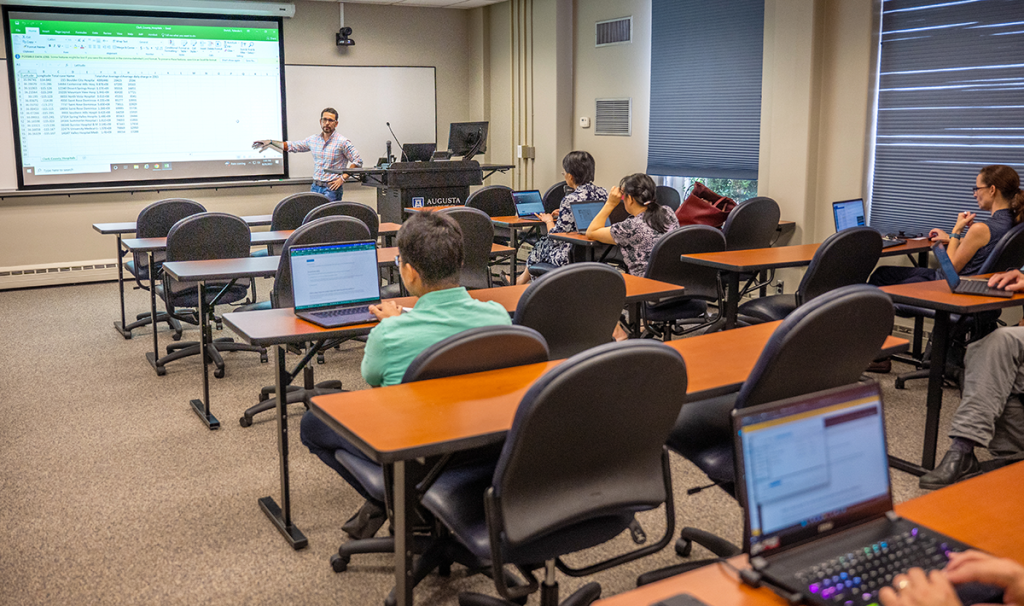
[367,521]
[955,466]
[880,366]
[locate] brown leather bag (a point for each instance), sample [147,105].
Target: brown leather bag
[704,207]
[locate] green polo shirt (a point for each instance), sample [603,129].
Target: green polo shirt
[395,342]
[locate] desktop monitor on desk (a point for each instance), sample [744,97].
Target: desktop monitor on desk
[467,139]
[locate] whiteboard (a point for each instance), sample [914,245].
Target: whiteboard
[366,98]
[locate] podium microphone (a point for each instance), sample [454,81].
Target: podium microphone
[388,151]
[396,141]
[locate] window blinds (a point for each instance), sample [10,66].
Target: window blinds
[705,88]
[950,100]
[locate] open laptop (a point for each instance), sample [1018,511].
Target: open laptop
[528,203]
[334,284]
[850,213]
[964,287]
[583,214]
[814,475]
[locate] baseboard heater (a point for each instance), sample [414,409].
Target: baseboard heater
[31,276]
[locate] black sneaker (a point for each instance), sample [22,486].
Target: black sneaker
[955,466]
[367,521]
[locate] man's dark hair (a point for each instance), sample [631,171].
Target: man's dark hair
[580,165]
[329,110]
[432,243]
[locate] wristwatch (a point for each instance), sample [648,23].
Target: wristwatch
[957,236]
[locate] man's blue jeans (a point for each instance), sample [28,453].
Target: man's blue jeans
[332,194]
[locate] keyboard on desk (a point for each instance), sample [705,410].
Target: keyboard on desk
[344,311]
[980,287]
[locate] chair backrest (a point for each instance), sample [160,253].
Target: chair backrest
[844,258]
[668,196]
[347,209]
[665,266]
[156,220]
[752,224]
[587,440]
[289,212]
[477,237]
[575,307]
[319,231]
[826,343]
[477,350]
[495,200]
[1008,253]
[553,197]
[206,236]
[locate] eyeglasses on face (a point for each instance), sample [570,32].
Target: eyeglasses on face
[977,187]
[327,120]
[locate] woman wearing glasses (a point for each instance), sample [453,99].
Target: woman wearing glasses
[997,190]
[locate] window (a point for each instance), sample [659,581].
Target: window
[950,100]
[705,88]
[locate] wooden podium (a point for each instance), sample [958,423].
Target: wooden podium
[405,184]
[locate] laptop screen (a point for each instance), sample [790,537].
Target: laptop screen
[849,213]
[584,212]
[811,465]
[528,202]
[946,267]
[334,274]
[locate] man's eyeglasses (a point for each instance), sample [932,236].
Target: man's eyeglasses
[327,120]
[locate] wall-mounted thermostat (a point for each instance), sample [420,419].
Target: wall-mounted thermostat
[584,122]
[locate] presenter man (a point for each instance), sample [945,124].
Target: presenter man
[330,150]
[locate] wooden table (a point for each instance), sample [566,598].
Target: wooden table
[392,425]
[154,245]
[387,232]
[936,295]
[990,524]
[514,225]
[203,272]
[128,227]
[732,263]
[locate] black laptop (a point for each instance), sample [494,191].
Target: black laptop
[528,203]
[814,476]
[850,213]
[334,284]
[964,287]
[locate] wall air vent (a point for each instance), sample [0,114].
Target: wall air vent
[614,117]
[615,31]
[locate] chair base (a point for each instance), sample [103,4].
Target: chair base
[584,596]
[687,537]
[144,319]
[178,351]
[295,394]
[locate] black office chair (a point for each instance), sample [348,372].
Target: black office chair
[495,200]
[844,258]
[701,283]
[1007,254]
[577,465]
[319,231]
[553,197]
[197,238]
[154,222]
[477,238]
[752,223]
[668,196]
[288,214]
[825,343]
[475,350]
[347,209]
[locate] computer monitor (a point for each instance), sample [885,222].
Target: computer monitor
[417,152]
[467,139]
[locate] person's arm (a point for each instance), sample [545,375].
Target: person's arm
[1012,280]
[966,239]
[261,145]
[374,357]
[350,158]
[597,231]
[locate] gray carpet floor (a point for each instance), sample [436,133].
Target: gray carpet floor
[113,492]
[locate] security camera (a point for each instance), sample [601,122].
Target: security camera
[342,37]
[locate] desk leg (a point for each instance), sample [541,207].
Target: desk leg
[732,298]
[127,334]
[404,489]
[513,264]
[155,355]
[592,253]
[936,374]
[202,407]
[282,516]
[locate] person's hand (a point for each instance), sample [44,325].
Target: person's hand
[335,183]
[981,567]
[1012,281]
[387,309]
[919,589]
[548,219]
[261,145]
[937,235]
[615,196]
[963,221]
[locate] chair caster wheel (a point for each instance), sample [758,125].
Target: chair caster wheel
[684,547]
[219,373]
[161,371]
[900,383]
[320,358]
[220,325]
[263,358]
[176,336]
[245,422]
[339,562]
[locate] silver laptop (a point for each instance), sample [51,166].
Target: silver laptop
[528,203]
[813,474]
[583,214]
[334,284]
[964,287]
[850,213]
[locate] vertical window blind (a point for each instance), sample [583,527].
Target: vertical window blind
[705,88]
[950,100]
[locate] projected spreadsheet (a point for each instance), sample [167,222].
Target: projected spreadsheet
[138,101]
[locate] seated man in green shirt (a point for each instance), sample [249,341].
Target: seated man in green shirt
[430,260]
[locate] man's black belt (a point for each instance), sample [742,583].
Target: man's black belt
[321,183]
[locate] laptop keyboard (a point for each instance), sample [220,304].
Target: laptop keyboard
[978,287]
[345,311]
[855,578]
